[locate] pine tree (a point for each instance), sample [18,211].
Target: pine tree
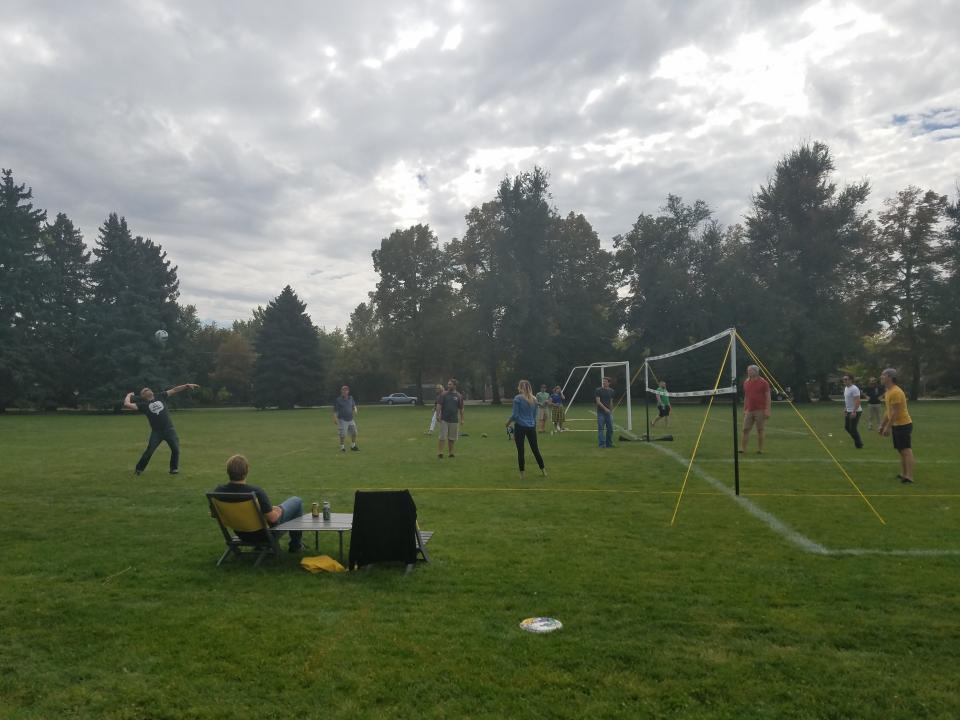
[135,293]
[64,320]
[805,246]
[20,271]
[288,370]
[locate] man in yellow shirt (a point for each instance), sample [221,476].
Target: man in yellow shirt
[897,422]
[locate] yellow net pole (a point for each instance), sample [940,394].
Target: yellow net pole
[813,432]
[696,446]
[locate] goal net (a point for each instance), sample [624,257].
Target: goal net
[580,388]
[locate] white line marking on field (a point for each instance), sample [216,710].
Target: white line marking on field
[784,530]
[846,461]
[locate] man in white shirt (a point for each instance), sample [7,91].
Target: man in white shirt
[851,409]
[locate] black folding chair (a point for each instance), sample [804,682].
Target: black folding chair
[385,529]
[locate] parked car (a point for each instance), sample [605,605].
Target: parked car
[399,399]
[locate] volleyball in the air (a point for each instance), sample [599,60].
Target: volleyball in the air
[161,336]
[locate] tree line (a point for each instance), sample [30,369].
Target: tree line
[816,281]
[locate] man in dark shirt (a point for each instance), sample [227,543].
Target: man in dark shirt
[874,394]
[604,400]
[450,406]
[237,469]
[344,408]
[161,426]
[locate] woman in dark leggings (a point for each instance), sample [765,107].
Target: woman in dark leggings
[524,418]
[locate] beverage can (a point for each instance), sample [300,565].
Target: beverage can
[326,510]
[315,509]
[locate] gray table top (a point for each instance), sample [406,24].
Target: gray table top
[338,522]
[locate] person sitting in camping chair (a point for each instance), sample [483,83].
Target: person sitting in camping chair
[237,469]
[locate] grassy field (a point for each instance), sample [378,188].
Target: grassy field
[111,605]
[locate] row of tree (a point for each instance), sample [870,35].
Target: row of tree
[811,277]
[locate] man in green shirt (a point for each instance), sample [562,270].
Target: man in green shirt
[663,404]
[542,398]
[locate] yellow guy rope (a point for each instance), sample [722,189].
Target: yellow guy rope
[812,431]
[696,446]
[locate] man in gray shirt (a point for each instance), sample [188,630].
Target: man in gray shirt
[344,408]
[451,417]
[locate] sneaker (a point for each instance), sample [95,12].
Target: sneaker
[355,448]
[174,471]
[440,456]
[138,473]
[906,480]
[342,449]
[451,455]
[543,472]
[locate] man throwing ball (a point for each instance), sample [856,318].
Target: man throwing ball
[161,426]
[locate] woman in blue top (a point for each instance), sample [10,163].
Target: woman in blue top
[524,418]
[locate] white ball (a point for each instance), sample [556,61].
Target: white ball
[829,434]
[161,336]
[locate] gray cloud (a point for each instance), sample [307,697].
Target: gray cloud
[263,146]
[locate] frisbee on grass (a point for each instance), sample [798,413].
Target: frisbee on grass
[540,624]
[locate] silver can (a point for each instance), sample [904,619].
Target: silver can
[326,510]
[315,510]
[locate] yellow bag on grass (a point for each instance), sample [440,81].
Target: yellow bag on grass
[321,563]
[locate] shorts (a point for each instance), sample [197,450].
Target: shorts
[348,426]
[664,410]
[542,413]
[901,436]
[754,417]
[558,414]
[449,431]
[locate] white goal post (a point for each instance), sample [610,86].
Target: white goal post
[602,368]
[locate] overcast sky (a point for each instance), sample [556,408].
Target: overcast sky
[265,144]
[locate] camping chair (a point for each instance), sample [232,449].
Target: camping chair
[385,528]
[243,525]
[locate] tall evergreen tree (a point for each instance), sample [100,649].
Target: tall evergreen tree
[135,292]
[527,220]
[660,261]
[480,266]
[908,261]
[582,283]
[411,298]
[805,245]
[20,272]
[949,300]
[66,294]
[288,370]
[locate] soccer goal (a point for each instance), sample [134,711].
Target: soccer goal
[619,373]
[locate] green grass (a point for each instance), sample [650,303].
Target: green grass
[111,606]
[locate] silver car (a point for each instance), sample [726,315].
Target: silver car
[398,399]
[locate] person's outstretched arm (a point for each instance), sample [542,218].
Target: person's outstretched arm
[181,388]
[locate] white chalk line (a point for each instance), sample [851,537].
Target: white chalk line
[787,532]
[847,461]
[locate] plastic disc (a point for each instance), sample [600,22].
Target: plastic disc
[541,624]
